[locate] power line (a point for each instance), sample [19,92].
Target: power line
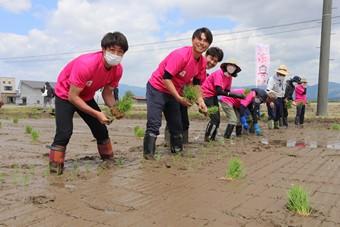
[175,40]
[171,47]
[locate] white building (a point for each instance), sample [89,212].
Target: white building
[29,92]
[7,89]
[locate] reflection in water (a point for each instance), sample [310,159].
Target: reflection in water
[291,143]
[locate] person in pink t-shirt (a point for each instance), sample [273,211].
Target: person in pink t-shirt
[213,56]
[75,90]
[218,84]
[181,67]
[300,102]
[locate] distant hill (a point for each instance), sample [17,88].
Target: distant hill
[333,92]
[137,91]
[312,91]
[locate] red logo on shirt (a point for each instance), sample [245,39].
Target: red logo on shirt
[182,74]
[89,83]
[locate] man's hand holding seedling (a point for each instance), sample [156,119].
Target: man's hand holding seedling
[201,106]
[116,113]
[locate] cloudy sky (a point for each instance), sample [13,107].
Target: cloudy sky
[38,37]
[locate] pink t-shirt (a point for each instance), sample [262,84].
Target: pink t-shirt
[299,96]
[183,67]
[217,78]
[234,102]
[248,99]
[87,71]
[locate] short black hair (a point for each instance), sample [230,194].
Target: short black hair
[215,52]
[206,31]
[115,38]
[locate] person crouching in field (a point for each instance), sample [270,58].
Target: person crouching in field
[290,87]
[231,108]
[300,102]
[252,102]
[75,90]
[276,83]
[213,56]
[164,90]
[218,84]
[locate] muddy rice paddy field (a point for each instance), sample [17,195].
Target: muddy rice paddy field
[174,190]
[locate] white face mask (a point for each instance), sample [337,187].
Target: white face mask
[112,59]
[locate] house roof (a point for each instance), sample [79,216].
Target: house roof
[36,84]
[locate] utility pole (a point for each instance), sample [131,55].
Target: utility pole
[324,58]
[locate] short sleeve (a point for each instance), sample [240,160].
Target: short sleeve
[218,80]
[80,74]
[175,63]
[202,73]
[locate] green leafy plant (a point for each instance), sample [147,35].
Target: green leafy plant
[35,135]
[15,120]
[28,129]
[298,201]
[289,104]
[26,179]
[119,161]
[213,110]
[139,132]
[125,104]
[129,94]
[335,126]
[191,93]
[246,91]
[158,156]
[46,172]
[235,169]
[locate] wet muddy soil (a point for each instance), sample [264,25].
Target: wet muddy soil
[174,190]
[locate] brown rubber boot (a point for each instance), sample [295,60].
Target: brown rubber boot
[57,158]
[105,149]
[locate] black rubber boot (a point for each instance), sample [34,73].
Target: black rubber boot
[210,132]
[281,122]
[149,146]
[186,137]
[285,122]
[166,137]
[238,130]
[213,134]
[207,132]
[229,131]
[176,143]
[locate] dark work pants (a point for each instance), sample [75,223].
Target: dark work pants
[300,114]
[158,102]
[185,118]
[276,113]
[285,113]
[214,118]
[64,111]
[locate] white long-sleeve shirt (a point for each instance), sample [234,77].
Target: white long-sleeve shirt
[278,85]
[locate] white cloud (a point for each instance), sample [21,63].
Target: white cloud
[15,6]
[78,25]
